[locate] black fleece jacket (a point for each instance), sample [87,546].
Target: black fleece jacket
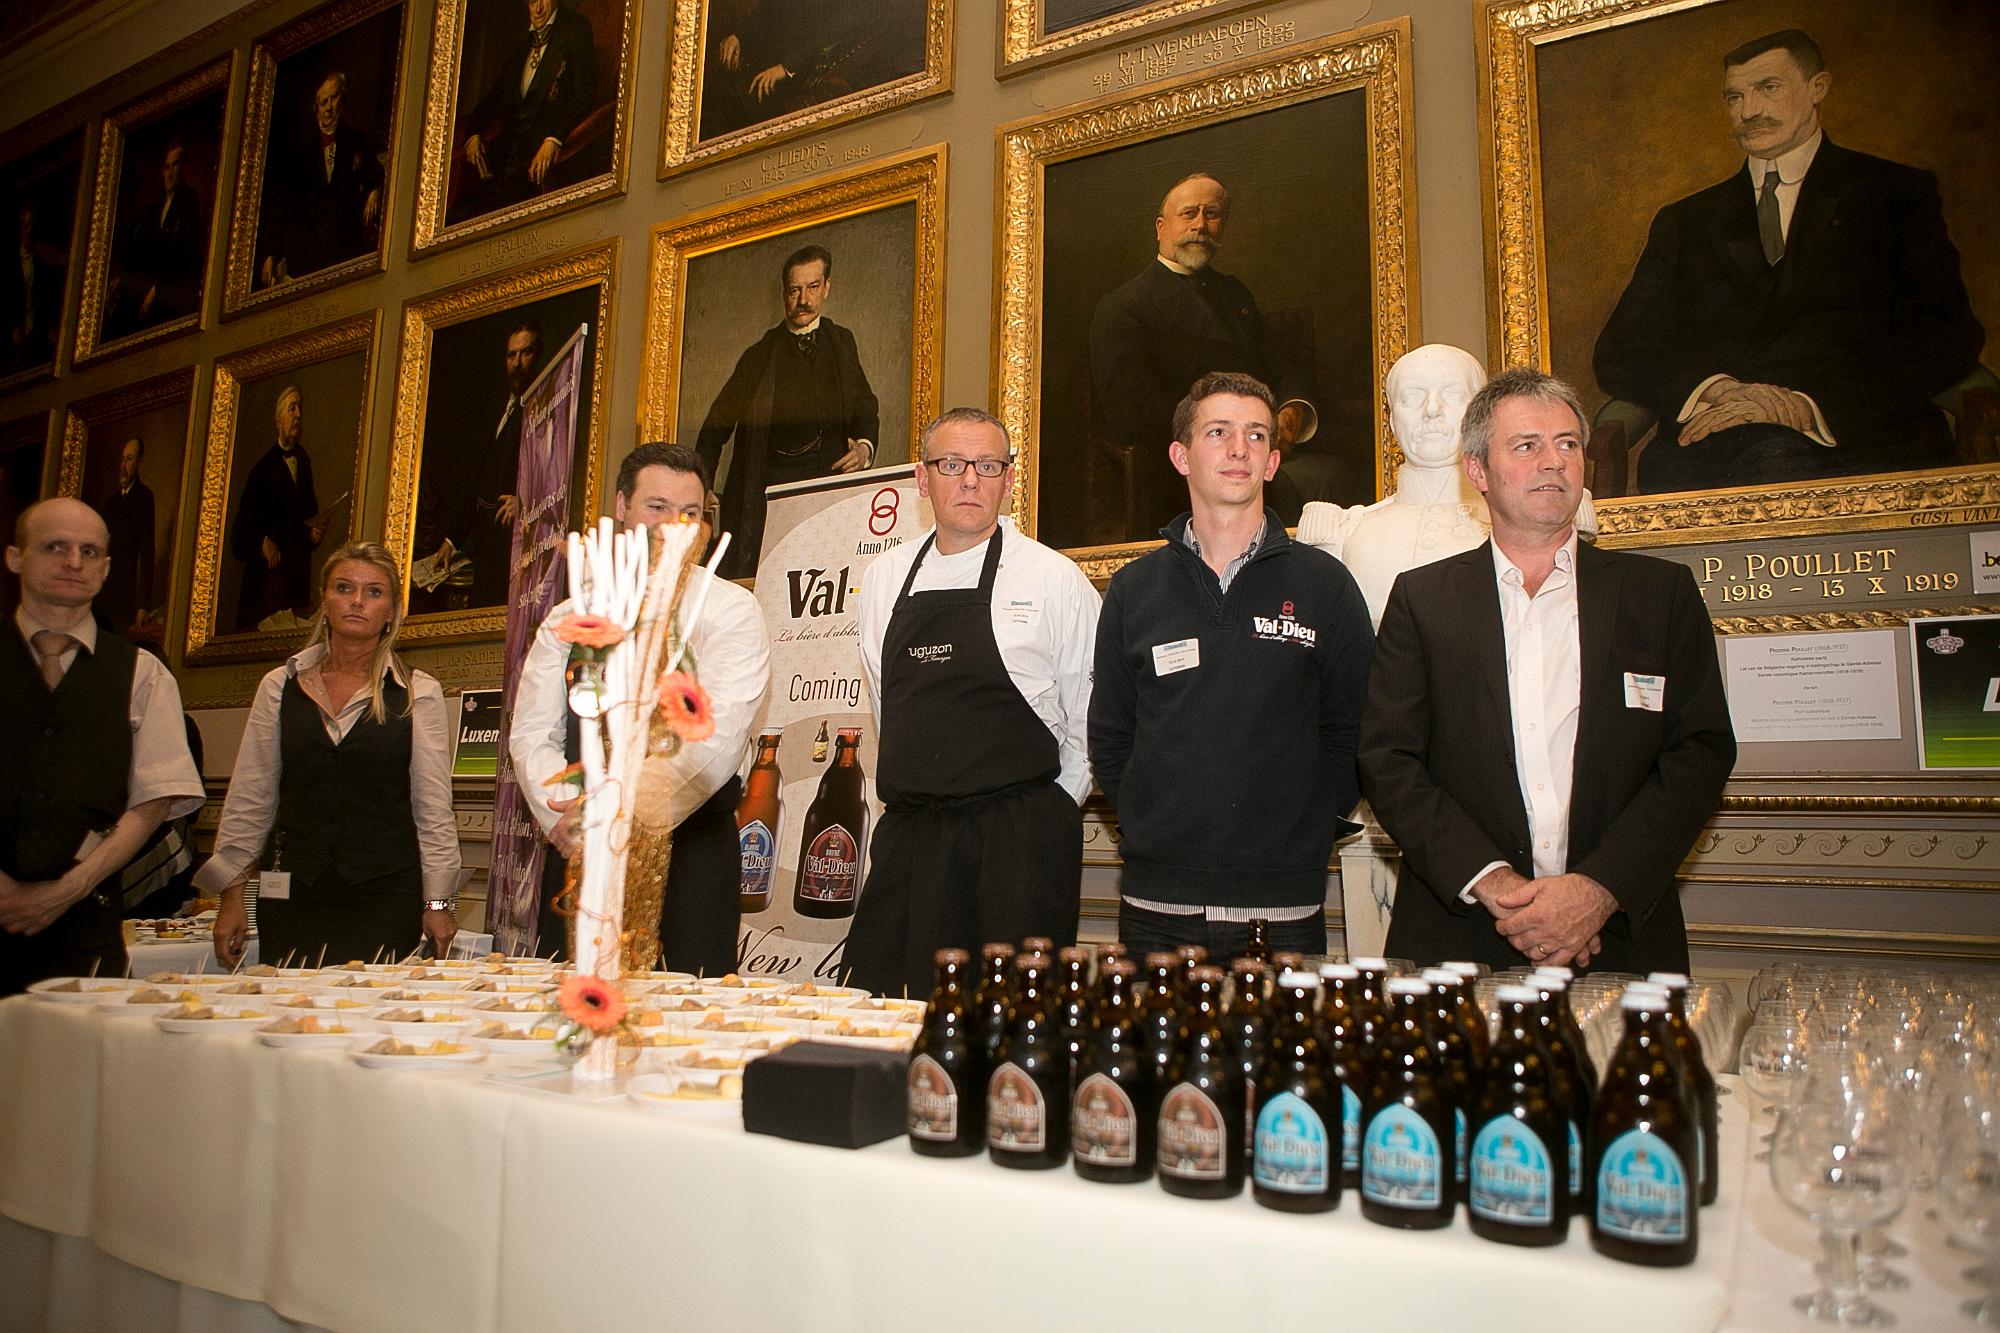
[1231,777]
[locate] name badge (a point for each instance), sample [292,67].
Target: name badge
[275,884]
[1180,655]
[1647,692]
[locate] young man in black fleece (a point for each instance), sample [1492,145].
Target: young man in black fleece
[1231,667]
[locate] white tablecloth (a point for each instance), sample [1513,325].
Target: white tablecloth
[356,1199]
[199,955]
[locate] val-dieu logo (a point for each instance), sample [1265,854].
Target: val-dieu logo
[816,593]
[1283,629]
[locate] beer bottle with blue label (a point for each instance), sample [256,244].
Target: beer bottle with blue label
[1409,1136]
[1643,1145]
[1471,1020]
[1295,1137]
[1458,1070]
[758,816]
[1518,1180]
[1200,1153]
[1700,1083]
[1566,1018]
[836,835]
[1347,1037]
[947,1076]
[1114,1120]
[1027,1097]
[1574,1092]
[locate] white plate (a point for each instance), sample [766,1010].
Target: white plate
[90,992]
[120,1009]
[226,1023]
[532,1048]
[370,1060]
[443,1029]
[653,1092]
[310,1039]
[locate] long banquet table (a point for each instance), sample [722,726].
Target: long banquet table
[224,1184]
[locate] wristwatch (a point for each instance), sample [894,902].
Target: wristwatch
[440,905]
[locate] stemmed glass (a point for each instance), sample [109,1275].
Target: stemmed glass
[1844,1163]
[1774,1062]
[1968,1196]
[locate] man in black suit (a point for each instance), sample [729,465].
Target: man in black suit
[1797,319]
[30,298]
[128,516]
[476,521]
[1174,322]
[278,525]
[1546,733]
[161,260]
[513,137]
[798,405]
[328,196]
[782,56]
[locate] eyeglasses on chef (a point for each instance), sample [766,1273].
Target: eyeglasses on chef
[952,466]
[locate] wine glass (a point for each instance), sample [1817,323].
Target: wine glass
[1968,1199]
[1844,1163]
[1774,1063]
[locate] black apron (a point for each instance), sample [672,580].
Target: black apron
[977,842]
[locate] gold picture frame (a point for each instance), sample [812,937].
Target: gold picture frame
[1518,226]
[1026,44]
[89,470]
[424,320]
[433,228]
[768,226]
[241,293]
[1373,62]
[683,147]
[226,461]
[105,293]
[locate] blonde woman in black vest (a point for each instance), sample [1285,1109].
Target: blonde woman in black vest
[345,774]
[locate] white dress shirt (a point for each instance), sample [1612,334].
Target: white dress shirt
[161,764]
[1544,696]
[1044,622]
[250,811]
[732,658]
[1791,174]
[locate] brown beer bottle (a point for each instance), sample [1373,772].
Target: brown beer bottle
[1110,950]
[1566,1019]
[1200,1154]
[1039,944]
[836,836]
[1191,956]
[1112,1125]
[1409,1137]
[1519,1177]
[1573,1091]
[1470,1020]
[1700,1083]
[1027,1098]
[1161,1027]
[1643,1145]
[1259,943]
[758,816]
[1458,1071]
[819,744]
[1347,1038]
[1073,998]
[990,1003]
[1295,1134]
[1249,1027]
[948,1067]
[1374,992]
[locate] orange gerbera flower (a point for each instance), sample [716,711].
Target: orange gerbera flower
[592,1001]
[586,631]
[685,702]
[574,773]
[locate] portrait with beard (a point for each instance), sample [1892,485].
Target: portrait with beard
[1215,248]
[467,501]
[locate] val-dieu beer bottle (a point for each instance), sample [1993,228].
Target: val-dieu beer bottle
[758,816]
[1249,1026]
[1191,956]
[1027,1098]
[1347,1038]
[1161,1025]
[1457,1069]
[1258,946]
[1295,1134]
[1518,1180]
[1700,1083]
[1200,1154]
[1574,1092]
[1109,950]
[994,996]
[1643,1145]
[1407,1141]
[1471,1020]
[836,835]
[1113,1123]
[948,1069]
[1073,998]
[1566,1018]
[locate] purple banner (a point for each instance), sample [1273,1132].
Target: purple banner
[548,459]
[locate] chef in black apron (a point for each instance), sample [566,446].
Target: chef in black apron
[978,841]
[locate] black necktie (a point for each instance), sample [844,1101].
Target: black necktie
[540,35]
[805,342]
[1770,227]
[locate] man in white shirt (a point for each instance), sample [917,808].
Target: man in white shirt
[1797,319]
[976,648]
[99,755]
[1545,733]
[661,483]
